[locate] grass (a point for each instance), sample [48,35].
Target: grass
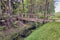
[2,27]
[56,16]
[49,31]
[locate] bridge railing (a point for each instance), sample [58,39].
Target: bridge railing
[28,15]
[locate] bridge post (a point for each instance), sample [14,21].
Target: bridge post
[36,22]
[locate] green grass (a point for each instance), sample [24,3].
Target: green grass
[49,31]
[56,16]
[2,27]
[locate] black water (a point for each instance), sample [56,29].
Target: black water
[26,32]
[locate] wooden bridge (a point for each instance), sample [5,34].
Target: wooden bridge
[22,17]
[31,17]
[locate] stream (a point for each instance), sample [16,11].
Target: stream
[26,33]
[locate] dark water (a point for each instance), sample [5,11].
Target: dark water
[26,33]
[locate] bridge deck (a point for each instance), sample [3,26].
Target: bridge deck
[34,19]
[31,19]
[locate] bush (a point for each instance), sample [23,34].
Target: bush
[15,24]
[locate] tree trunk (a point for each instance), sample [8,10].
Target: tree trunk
[45,11]
[9,7]
[0,8]
[23,5]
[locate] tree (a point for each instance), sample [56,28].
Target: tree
[0,9]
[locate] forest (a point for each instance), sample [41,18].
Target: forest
[21,18]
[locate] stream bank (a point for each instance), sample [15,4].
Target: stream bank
[27,32]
